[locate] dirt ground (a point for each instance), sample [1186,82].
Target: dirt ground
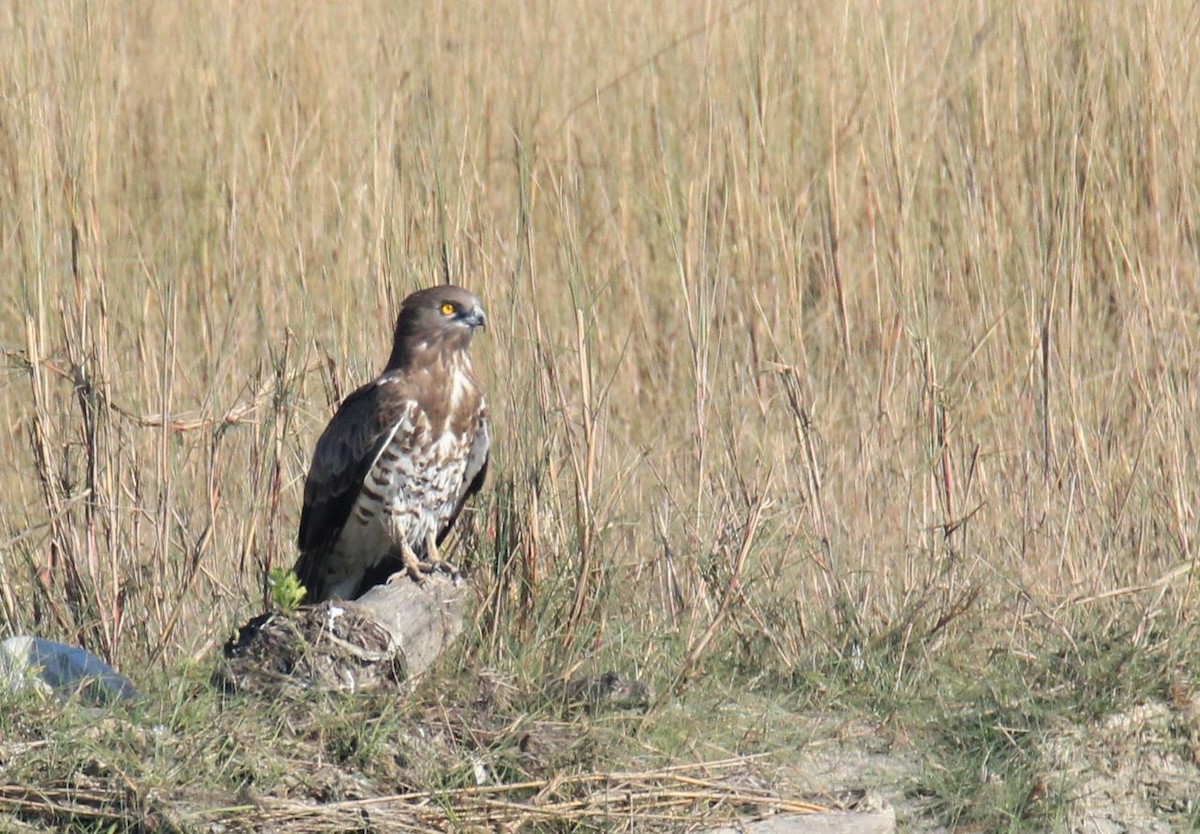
[1135,772]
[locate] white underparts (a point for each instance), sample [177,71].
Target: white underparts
[408,495]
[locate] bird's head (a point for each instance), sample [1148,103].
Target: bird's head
[440,318]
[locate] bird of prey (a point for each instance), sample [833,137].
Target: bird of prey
[394,467]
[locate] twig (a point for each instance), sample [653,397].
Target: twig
[731,589]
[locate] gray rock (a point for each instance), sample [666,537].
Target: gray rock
[33,662]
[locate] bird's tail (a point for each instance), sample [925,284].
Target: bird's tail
[307,572]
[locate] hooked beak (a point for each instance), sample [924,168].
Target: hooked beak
[475,318]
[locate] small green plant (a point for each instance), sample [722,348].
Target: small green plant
[286,591]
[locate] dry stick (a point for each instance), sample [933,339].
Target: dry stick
[942,476]
[549,391]
[182,424]
[764,629]
[646,798]
[1182,569]
[1046,436]
[622,790]
[531,557]
[935,426]
[56,507]
[584,483]
[669,590]
[731,589]
[232,417]
[166,491]
[536,558]
[89,630]
[669,772]
[120,548]
[51,525]
[802,426]
[82,384]
[613,83]
[833,226]
[644,803]
[28,532]
[279,428]
[63,802]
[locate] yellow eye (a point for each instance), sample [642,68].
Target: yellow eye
[447,308]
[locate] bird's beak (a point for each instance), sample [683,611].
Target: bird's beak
[476,318]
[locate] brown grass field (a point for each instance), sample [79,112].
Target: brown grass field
[844,359]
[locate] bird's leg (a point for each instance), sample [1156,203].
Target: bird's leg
[414,567]
[434,559]
[417,570]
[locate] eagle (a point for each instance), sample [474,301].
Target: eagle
[394,467]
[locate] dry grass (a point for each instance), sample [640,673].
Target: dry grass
[824,333]
[699,793]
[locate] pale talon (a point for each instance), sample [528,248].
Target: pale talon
[434,562]
[414,567]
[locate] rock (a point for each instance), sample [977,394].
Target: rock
[63,670]
[387,637]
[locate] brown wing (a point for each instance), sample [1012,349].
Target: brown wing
[343,457]
[476,471]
